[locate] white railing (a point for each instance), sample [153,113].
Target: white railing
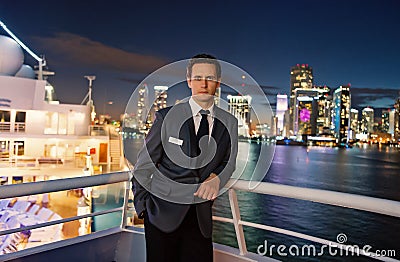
[19,127]
[376,205]
[371,204]
[25,189]
[17,190]
[5,127]
[34,162]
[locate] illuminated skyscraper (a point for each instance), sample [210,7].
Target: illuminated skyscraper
[396,121]
[341,113]
[354,124]
[324,108]
[160,97]
[305,112]
[391,121]
[311,110]
[301,78]
[130,121]
[217,97]
[281,108]
[385,120]
[240,107]
[367,120]
[160,101]
[142,107]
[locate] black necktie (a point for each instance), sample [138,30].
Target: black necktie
[203,128]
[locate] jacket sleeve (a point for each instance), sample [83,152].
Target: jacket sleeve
[148,158]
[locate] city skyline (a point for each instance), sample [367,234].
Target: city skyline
[343,41]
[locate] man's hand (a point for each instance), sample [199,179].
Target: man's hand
[209,188]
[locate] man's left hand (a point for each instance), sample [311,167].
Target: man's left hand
[209,188]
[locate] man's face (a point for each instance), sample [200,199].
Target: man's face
[203,82]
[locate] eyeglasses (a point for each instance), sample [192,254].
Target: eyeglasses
[207,78]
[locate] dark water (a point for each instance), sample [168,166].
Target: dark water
[370,171]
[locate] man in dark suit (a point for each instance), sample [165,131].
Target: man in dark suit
[189,155]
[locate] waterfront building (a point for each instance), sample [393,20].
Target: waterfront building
[301,77]
[160,93]
[385,120]
[309,107]
[217,96]
[274,126]
[341,113]
[305,112]
[324,106]
[160,102]
[354,123]
[142,108]
[281,108]
[263,130]
[367,120]
[286,129]
[130,121]
[240,107]
[396,120]
[391,122]
[137,122]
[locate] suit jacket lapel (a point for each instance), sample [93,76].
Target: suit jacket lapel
[218,127]
[188,132]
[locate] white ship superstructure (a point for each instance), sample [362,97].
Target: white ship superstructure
[35,127]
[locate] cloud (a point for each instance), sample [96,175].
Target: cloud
[80,50]
[136,80]
[373,97]
[375,102]
[376,91]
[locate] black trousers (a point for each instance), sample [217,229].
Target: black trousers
[185,244]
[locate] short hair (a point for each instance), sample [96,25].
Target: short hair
[203,59]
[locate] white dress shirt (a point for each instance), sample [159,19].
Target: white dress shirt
[197,116]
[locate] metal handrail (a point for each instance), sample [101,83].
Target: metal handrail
[366,203]
[16,190]
[9,191]
[376,205]
[59,221]
[371,204]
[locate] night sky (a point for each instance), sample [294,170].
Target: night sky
[121,42]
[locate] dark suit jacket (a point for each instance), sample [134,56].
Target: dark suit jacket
[165,176]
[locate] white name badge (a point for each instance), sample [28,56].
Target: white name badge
[175,141]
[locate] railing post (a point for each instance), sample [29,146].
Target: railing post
[125,211]
[236,222]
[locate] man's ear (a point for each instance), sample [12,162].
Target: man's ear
[189,82]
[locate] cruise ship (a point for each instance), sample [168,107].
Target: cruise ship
[49,148]
[36,128]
